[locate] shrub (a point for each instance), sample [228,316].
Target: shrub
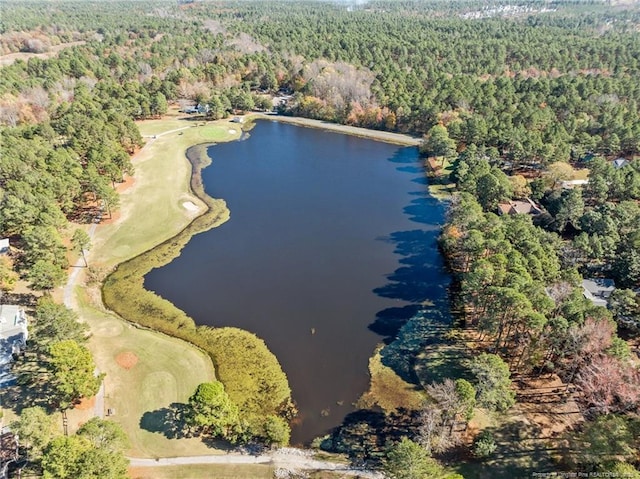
[484,445]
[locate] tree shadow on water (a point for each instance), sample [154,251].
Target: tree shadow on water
[407,156]
[411,169]
[421,275]
[426,210]
[389,321]
[419,333]
[423,282]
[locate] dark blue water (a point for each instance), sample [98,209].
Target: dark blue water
[331,238]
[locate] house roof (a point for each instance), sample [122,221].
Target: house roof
[13,334]
[433,164]
[13,323]
[516,207]
[11,315]
[620,162]
[597,290]
[4,244]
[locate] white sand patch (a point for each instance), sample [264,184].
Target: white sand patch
[232,131]
[189,205]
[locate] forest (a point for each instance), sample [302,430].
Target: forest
[516,102]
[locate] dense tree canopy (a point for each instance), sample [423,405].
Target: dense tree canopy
[211,411]
[96,450]
[504,94]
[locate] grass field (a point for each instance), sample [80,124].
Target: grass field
[221,471]
[197,471]
[152,208]
[167,369]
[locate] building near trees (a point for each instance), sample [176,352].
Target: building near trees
[9,449]
[598,290]
[13,338]
[526,207]
[571,184]
[620,163]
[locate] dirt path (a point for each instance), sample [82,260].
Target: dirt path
[395,138]
[286,458]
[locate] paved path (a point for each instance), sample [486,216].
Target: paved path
[287,458]
[153,137]
[98,408]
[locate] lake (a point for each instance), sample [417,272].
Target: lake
[315,259]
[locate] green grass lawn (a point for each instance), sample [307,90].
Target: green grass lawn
[196,471]
[152,209]
[441,191]
[168,369]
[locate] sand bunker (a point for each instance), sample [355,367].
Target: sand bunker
[232,131]
[189,205]
[127,360]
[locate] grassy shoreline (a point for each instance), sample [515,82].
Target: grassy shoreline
[243,375]
[167,369]
[123,290]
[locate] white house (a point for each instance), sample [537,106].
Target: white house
[620,163]
[13,338]
[598,290]
[4,245]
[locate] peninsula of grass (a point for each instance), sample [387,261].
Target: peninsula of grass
[243,363]
[159,370]
[152,227]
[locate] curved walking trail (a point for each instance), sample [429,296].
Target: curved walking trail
[285,458]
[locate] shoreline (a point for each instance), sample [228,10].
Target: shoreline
[214,214]
[152,208]
[123,292]
[378,135]
[243,375]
